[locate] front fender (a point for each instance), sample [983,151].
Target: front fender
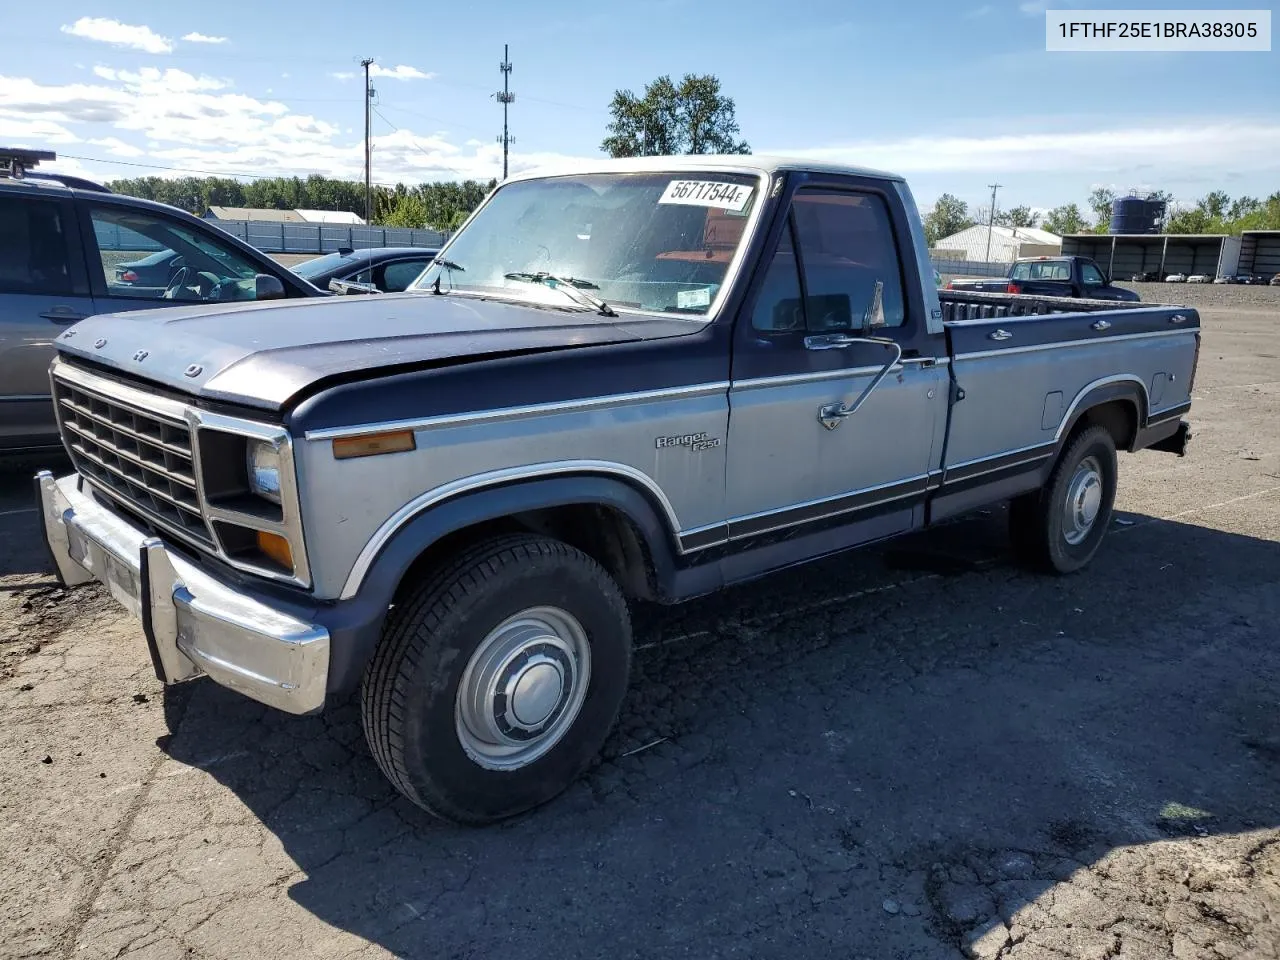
[355,623]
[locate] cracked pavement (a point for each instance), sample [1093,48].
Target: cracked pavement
[913,751]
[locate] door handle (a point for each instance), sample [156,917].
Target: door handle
[999,335]
[830,341]
[63,315]
[1101,325]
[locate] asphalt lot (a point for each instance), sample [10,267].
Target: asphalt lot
[901,753]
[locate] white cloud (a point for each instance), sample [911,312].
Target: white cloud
[117,147]
[33,132]
[194,37]
[120,34]
[983,11]
[1240,146]
[1033,8]
[399,72]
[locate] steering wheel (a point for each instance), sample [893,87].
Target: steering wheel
[177,282]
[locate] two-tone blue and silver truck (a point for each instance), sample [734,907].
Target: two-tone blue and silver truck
[636,380]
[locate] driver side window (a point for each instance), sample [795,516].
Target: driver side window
[146,257]
[1090,274]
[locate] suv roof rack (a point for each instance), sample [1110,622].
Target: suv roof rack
[76,183]
[17,163]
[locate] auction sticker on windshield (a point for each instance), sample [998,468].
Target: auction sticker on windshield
[707,193]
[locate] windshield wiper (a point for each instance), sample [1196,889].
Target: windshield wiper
[572,287]
[448,265]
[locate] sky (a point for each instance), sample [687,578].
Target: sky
[954,94]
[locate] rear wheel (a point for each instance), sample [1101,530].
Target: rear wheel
[497,681]
[1059,527]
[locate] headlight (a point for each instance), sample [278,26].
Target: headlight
[262,461]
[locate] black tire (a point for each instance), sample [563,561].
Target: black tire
[1037,521]
[410,688]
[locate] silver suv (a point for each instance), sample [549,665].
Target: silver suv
[63,242]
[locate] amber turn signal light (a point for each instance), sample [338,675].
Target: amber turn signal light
[372,444]
[277,548]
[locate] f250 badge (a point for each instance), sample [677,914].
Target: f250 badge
[694,441]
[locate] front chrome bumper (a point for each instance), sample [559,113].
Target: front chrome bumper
[194,623]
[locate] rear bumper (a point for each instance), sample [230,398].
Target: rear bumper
[194,623]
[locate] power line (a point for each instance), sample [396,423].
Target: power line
[506,98]
[417,146]
[206,173]
[240,58]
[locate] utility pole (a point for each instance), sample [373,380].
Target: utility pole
[991,217]
[368,144]
[505,97]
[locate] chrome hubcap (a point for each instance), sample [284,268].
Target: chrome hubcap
[523,688]
[1084,500]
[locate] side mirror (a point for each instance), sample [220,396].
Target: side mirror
[351,287]
[267,287]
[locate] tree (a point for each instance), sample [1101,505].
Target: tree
[1215,204]
[1241,207]
[1100,203]
[949,215]
[694,117]
[1066,219]
[1191,220]
[1017,217]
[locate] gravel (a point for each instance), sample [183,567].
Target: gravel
[917,752]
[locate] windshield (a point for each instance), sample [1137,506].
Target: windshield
[313,268]
[654,242]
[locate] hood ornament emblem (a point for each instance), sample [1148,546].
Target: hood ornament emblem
[194,370]
[100,343]
[141,355]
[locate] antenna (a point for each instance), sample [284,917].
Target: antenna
[506,98]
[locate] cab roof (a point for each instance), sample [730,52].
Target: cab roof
[742,162]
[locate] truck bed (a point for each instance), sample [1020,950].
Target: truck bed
[960,305]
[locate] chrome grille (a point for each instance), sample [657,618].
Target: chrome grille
[136,456]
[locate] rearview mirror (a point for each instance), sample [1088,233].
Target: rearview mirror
[267,287]
[351,287]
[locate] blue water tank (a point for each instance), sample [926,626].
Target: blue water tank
[1136,215]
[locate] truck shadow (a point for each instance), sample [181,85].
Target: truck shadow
[888,748]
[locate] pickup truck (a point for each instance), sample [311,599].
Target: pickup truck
[1052,277]
[642,380]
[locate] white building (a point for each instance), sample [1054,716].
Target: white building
[1007,244]
[283,216]
[330,216]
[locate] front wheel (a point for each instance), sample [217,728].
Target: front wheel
[1059,527]
[498,679]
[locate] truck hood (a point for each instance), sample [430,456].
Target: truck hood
[262,354]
